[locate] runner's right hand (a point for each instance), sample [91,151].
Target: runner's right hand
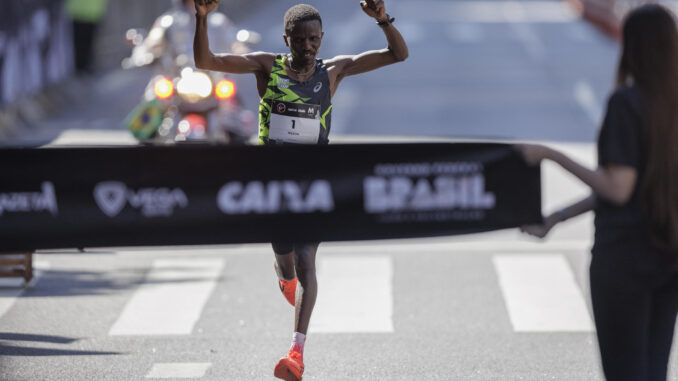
[203,7]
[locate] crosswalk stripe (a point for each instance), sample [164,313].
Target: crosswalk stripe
[12,288]
[171,299]
[179,370]
[541,294]
[356,295]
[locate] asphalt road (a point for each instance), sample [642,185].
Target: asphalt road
[85,317]
[458,308]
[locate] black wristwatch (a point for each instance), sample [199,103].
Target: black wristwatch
[389,20]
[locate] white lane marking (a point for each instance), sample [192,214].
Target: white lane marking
[13,288]
[541,294]
[356,295]
[464,32]
[586,98]
[412,32]
[171,299]
[488,11]
[529,38]
[179,370]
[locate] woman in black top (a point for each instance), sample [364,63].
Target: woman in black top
[634,267]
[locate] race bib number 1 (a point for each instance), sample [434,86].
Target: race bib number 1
[294,122]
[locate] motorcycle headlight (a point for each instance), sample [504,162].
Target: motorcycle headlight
[194,85]
[163,88]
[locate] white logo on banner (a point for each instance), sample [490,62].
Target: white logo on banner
[425,187]
[30,201]
[274,197]
[112,196]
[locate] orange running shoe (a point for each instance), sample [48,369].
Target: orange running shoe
[290,367]
[289,289]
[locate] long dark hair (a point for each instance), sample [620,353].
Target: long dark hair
[650,59]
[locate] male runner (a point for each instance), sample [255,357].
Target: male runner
[300,80]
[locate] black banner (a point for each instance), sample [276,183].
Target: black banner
[138,196]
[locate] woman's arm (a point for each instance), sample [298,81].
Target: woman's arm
[573,210]
[612,182]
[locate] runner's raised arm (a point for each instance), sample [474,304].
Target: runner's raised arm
[257,62]
[342,66]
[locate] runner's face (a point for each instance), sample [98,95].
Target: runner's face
[304,41]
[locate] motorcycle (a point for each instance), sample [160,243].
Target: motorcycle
[183,103]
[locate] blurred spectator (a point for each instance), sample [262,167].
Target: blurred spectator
[86,16]
[35,47]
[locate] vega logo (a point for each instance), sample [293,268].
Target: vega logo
[30,201]
[275,197]
[113,196]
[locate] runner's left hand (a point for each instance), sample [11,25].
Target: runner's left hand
[375,9]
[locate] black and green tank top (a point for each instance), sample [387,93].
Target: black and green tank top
[294,112]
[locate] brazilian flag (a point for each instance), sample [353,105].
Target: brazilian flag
[145,119]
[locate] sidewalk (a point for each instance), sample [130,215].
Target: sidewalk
[26,114]
[94,103]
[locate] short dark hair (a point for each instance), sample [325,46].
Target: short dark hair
[300,13]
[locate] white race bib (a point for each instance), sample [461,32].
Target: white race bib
[294,122]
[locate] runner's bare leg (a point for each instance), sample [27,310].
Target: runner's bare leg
[307,288]
[285,265]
